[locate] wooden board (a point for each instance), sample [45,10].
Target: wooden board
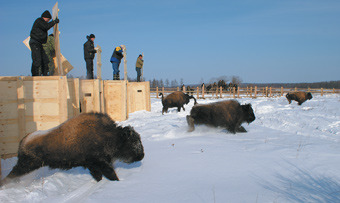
[55,11]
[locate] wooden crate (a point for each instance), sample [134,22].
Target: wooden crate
[138,96]
[29,104]
[115,99]
[90,95]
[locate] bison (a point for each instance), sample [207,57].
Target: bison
[300,97]
[175,99]
[90,140]
[229,114]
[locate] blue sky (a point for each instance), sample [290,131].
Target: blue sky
[259,41]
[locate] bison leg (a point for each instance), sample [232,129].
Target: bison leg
[109,172]
[96,173]
[24,165]
[241,129]
[191,124]
[183,108]
[165,109]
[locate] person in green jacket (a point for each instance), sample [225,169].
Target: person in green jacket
[139,66]
[49,49]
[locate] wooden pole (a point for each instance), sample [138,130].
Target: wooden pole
[238,91]
[163,91]
[198,92]
[321,91]
[234,89]
[220,91]
[251,91]
[255,92]
[157,92]
[142,68]
[281,91]
[125,62]
[55,11]
[99,62]
[203,91]
[270,91]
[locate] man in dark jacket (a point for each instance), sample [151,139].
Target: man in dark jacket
[116,58]
[38,36]
[89,52]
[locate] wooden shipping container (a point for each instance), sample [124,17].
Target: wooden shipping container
[29,104]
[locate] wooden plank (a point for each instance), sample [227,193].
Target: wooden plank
[21,107]
[41,89]
[55,11]
[62,90]
[73,97]
[7,89]
[96,95]
[99,62]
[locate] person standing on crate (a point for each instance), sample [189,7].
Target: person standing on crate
[116,58]
[89,52]
[139,66]
[38,36]
[49,49]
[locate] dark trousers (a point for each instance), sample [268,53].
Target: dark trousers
[89,68]
[138,74]
[39,59]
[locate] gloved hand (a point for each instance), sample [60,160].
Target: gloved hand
[56,20]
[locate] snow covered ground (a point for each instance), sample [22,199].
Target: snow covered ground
[291,153]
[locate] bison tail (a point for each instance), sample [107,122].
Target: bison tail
[161,94]
[192,97]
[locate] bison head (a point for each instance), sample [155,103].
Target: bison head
[248,113]
[309,96]
[132,149]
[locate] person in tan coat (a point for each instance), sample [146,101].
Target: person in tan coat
[139,66]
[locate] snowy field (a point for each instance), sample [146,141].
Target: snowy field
[291,153]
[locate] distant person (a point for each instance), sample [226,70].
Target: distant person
[139,66]
[49,49]
[89,52]
[116,58]
[38,36]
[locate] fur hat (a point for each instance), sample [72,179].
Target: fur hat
[46,14]
[92,36]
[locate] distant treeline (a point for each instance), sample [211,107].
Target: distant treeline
[327,85]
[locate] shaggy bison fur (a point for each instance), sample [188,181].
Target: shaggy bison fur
[175,99]
[300,97]
[229,114]
[90,140]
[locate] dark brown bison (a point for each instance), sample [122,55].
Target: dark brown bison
[175,99]
[229,114]
[90,140]
[300,97]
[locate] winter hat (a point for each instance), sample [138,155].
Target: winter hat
[46,14]
[92,36]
